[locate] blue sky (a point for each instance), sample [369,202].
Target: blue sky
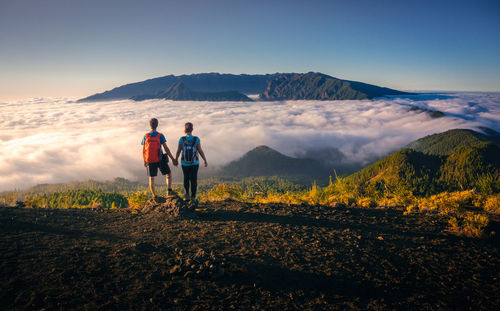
[77,48]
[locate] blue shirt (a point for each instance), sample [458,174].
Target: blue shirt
[153,134]
[189,138]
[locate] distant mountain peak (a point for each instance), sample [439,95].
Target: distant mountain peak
[179,91]
[176,90]
[319,86]
[263,148]
[178,85]
[265,161]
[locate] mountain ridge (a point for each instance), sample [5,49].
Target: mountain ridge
[318,86]
[312,85]
[248,84]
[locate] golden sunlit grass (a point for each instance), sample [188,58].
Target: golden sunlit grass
[467,210]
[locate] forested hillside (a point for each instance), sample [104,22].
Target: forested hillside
[448,142]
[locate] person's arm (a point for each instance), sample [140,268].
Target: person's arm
[202,154]
[143,145]
[179,149]
[167,152]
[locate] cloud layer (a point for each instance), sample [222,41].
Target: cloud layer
[57,140]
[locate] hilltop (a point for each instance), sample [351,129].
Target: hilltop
[454,160]
[270,86]
[265,161]
[446,143]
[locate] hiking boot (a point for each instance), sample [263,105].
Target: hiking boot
[187,197]
[171,192]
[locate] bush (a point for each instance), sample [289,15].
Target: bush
[470,224]
[138,199]
[77,199]
[367,202]
[8,200]
[492,204]
[411,209]
[447,202]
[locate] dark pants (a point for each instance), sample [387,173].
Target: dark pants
[190,176]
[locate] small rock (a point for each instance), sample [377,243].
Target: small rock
[175,269]
[200,273]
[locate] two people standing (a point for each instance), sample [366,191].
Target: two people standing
[155,159]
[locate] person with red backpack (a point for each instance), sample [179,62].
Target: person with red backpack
[190,147]
[154,159]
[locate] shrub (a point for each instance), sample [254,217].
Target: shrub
[470,224]
[400,197]
[138,199]
[447,202]
[411,209]
[315,195]
[492,204]
[367,202]
[8,200]
[77,199]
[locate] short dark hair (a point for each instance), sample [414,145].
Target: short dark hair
[153,123]
[188,127]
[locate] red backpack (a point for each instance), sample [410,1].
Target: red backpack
[151,149]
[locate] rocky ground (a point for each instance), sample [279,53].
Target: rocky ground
[231,255]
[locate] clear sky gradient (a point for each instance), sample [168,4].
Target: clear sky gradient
[55,48]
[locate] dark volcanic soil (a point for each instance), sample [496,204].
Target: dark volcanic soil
[273,257]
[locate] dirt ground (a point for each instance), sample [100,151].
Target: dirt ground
[272,257]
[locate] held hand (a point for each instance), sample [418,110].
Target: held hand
[175,162]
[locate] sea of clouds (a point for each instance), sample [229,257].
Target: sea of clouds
[59,140]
